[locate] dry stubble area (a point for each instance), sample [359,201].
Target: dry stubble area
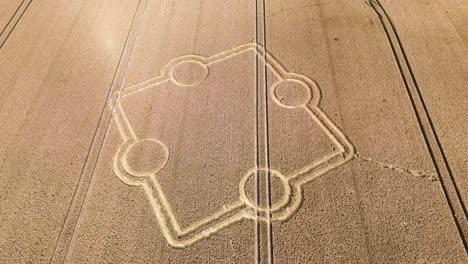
[215,131]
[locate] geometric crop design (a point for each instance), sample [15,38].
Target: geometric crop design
[244,208]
